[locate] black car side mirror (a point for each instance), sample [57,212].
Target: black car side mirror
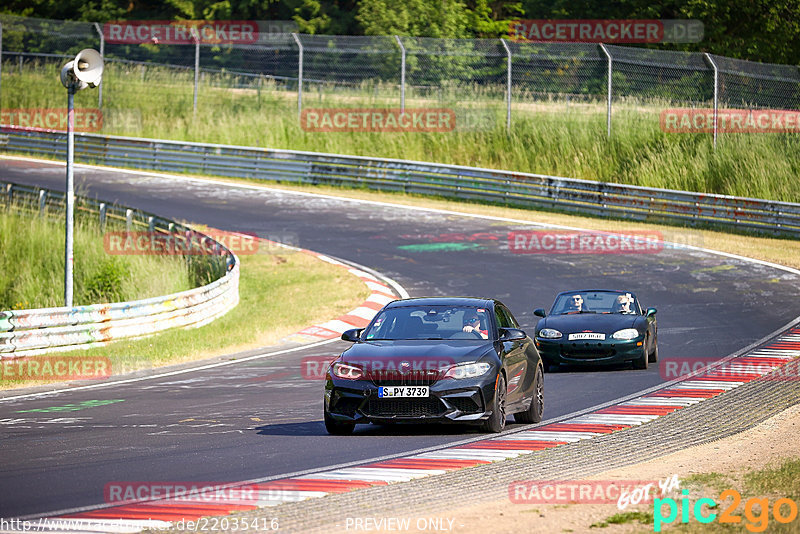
[352,335]
[539,312]
[650,312]
[512,334]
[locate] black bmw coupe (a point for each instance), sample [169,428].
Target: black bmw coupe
[597,326]
[439,360]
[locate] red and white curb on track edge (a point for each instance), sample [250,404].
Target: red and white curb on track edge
[380,296]
[744,368]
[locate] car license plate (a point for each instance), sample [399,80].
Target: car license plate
[385,392]
[586,335]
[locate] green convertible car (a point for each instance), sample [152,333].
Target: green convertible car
[597,326]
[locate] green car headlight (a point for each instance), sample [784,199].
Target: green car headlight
[626,334]
[549,333]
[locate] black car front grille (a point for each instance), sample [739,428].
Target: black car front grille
[413,377]
[587,352]
[405,407]
[465,404]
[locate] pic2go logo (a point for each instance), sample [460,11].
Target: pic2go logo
[757,521]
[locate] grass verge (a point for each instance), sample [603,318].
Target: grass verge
[759,491]
[32,266]
[280,293]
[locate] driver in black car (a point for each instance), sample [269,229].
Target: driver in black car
[472,323]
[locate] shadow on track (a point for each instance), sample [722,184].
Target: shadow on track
[317,428]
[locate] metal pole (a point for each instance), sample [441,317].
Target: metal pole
[508,85]
[713,64]
[102,53]
[402,73]
[1,65]
[610,68]
[70,197]
[299,74]
[196,66]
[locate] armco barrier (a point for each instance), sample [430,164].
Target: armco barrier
[31,332]
[533,190]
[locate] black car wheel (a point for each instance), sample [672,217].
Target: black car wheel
[497,421]
[534,413]
[654,355]
[641,361]
[336,428]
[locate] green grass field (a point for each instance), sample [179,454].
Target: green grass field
[558,138]
[32,266]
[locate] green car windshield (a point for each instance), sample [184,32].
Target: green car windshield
[428,322]
[596,302]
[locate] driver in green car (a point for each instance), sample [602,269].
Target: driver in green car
[623,304]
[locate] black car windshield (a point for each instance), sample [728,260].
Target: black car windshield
[430,322]
[596,302]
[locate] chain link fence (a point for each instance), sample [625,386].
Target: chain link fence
[488,81]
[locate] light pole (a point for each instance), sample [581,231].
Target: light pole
[84,71]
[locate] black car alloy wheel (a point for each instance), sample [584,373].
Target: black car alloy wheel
[497,421]
[534,412]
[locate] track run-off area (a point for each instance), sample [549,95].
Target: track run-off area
[260,418]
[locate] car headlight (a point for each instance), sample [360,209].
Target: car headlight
[626,333]
[549,333]
[467,370]
[348,372]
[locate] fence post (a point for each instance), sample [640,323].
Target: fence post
[713,64]
[196,65]
[42,201]
[1,66]
[508,84]
[102,53]
[128,220]
[402,73]
[299,75]
[610,69]
[102,212]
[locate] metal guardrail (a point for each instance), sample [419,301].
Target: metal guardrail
[38,331]
[450,181]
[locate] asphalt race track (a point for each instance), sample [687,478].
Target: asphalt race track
[261,418]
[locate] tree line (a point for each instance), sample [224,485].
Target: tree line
[756,30]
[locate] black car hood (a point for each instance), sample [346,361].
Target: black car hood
[607,323]
[454,351]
